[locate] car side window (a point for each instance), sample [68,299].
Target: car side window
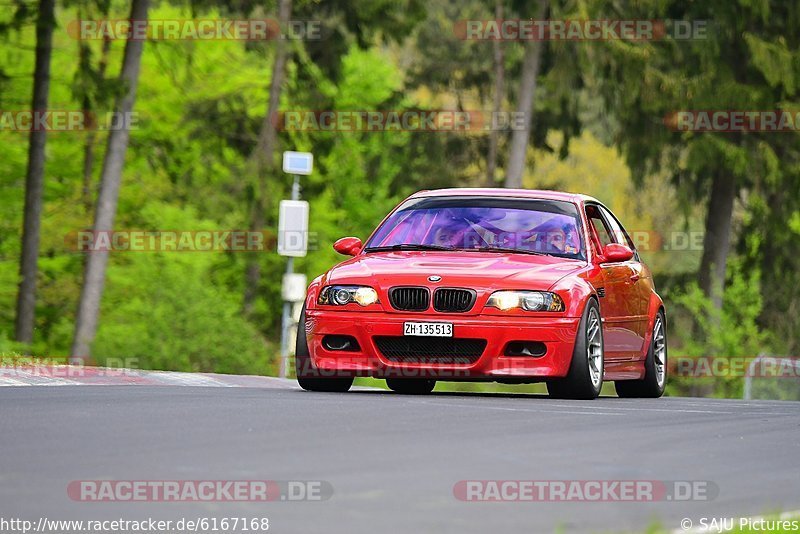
[599,225]
[617,231]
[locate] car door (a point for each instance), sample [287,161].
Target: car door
[620,335]
[641,281]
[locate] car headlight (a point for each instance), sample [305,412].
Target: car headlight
[526,300]
[343,295]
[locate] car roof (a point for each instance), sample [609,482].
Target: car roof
[541,194]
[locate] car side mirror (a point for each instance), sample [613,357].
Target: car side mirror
[349,246]
[616,253]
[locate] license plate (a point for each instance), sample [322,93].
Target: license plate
[428,329]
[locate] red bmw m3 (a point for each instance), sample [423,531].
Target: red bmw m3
[503,285]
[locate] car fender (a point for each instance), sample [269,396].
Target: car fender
[575,290]
[313,292]
[653,307]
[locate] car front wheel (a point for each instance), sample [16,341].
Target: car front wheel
[585,377]
[308,376]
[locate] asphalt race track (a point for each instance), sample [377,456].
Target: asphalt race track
[392,460]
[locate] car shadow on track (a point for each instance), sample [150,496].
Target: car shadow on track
[465,394]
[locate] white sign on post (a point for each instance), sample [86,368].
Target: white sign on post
[293,228]
[294,287]
[298,162]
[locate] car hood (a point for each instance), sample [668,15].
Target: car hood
[475,270]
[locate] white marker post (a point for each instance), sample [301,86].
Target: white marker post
[292,242]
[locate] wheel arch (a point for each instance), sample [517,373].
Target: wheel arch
[576,292]
[656,305]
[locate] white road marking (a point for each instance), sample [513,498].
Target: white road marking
[8,381]
[36,378]
[187,379]
[66,375]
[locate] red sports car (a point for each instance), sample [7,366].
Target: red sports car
[512,286]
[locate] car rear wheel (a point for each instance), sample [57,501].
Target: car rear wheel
[585,377]
[655,367]
[411,386]
[308,376]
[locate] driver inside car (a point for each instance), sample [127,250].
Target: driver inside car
[451,235]
[554,240]
[561,240]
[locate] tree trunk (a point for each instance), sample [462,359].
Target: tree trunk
[34,178]
[263,157]
[499,91]
[91,136]
[106,210]
[717,239]
[527,93]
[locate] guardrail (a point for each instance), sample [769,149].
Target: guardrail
[748,377]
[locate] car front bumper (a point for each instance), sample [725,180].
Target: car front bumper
[558,335]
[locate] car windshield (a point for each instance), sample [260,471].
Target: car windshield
[484,224]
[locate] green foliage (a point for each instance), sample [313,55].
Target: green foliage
[699,329]
[595,169]
[358,173]
[750,60]
[599,129]
[199,107]
[161,310]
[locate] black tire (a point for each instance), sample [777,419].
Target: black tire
[411,386]
[649,386]
[578,383]
[308,376]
